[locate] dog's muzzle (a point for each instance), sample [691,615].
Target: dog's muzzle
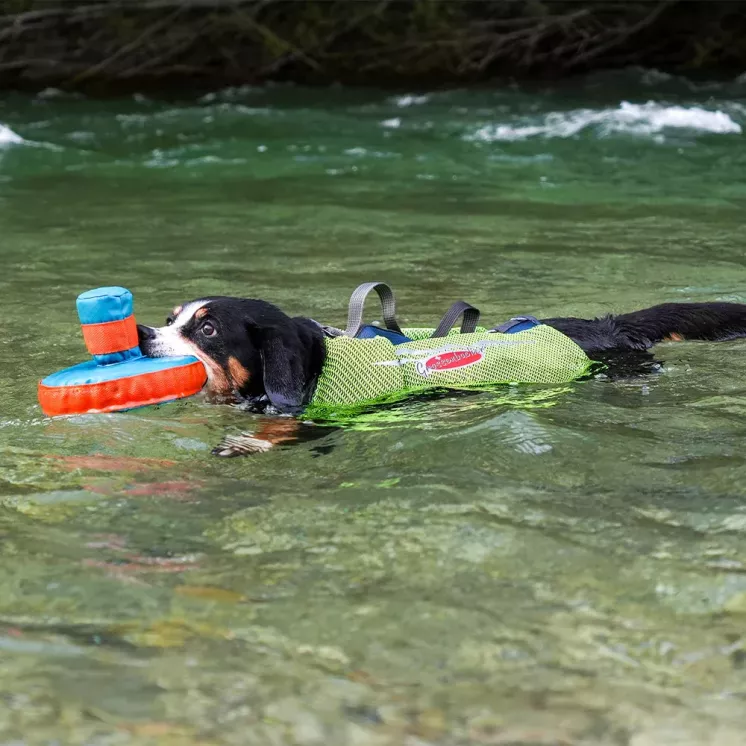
[146,336]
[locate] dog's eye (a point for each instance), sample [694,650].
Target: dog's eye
[169,321]
[208,329]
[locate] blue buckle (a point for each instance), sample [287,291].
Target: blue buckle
[517,324]
[370,331]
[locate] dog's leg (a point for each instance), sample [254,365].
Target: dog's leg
[274,431]
[271,432]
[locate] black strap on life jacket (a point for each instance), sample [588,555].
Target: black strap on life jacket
[459,308]
[357,304]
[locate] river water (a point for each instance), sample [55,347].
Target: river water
[564,565]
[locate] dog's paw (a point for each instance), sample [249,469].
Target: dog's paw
[243,444]
[255,404]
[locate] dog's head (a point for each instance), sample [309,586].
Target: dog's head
[250,349]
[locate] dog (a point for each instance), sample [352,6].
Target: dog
[267,362]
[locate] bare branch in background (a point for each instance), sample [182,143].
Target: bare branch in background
[80,42]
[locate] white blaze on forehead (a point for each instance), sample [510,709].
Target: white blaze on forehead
[170,341]
[185,313]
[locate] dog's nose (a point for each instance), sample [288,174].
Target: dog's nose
[145,332]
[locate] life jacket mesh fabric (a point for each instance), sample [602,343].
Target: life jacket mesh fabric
[362,372]
[358,372]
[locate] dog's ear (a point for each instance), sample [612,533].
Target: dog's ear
[284,367]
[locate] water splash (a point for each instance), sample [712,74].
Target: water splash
[8,137]
[635,119]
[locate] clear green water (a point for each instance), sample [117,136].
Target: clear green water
[463,571]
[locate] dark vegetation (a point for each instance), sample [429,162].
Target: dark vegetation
[116,44]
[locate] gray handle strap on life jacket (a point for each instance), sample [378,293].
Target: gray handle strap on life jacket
[357,304]
[468,324]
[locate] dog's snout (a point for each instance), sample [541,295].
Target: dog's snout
[145,333]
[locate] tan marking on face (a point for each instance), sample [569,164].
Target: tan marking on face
[200,313]
[239,374]
[219,386]
[177,310]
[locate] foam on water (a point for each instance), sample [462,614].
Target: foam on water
[393,123]
[409,100]
[636,119]
[8,137]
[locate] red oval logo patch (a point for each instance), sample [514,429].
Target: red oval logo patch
[452,360]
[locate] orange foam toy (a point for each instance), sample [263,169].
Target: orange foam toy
[119,377]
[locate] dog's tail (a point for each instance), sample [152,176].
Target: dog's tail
[640,330]
[680,321]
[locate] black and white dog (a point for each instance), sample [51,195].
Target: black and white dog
[259,356]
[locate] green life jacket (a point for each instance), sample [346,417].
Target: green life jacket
[359,372]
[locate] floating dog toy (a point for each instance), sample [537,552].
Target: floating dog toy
[119,376]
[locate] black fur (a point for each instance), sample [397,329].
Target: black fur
[292,355]
[641,330]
